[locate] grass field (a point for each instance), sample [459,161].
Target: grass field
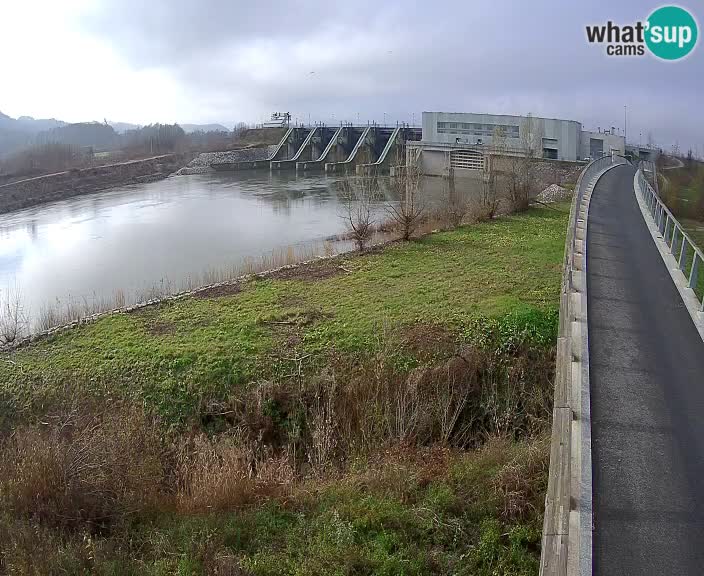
[682,189]
[505,273]
[383,413]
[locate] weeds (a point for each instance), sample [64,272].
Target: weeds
[388,419]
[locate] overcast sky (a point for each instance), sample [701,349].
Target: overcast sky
[189,61]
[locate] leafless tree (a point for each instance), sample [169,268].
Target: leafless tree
[13,320]
[521,177]
[407,213]
[457,204]
[490,183]
[498,140]
[358,196]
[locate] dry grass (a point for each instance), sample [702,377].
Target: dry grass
[228,472]
[518,483]
[78,469]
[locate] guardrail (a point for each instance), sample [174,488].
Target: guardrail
[690,258]
[566,543]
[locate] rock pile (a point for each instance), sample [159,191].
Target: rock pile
[554,193]
[203,162]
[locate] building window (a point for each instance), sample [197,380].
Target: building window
[475,129]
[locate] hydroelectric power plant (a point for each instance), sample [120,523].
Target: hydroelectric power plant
[344,149]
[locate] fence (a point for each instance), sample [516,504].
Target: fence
[566,544]
[689,257]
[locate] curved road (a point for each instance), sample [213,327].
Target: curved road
[647,397]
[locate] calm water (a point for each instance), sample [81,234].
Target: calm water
[137,237]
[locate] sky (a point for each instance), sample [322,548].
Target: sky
[202,61]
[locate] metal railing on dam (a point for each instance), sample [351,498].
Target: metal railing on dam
[567,537]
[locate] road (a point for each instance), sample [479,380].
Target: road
[647,393]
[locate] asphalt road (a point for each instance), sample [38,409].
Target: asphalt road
[647,393]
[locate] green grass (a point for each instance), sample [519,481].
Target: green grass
[683,191]
[446,518]
[498,278]
[407,506]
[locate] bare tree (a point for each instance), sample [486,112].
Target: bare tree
[522,178]
[407,213]
[13,320]
[358,195]
[489,191]
[457,204]
[498,140]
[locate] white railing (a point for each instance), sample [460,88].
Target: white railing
[566,543]
[690,258]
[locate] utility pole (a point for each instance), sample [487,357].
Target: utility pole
[625,125]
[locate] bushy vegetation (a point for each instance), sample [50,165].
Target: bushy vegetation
[383,413]
[682,189]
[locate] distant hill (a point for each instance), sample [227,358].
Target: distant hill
[20,132]
[39,125]
[25,131]
[122,127]
[188,128]
[84,134]
[28,124]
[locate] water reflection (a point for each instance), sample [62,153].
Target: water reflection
[135,237]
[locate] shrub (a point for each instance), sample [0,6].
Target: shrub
[83,470]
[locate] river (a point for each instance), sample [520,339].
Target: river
[170,234]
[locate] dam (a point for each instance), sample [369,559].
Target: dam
[344,149]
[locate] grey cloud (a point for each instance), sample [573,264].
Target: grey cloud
[241,60]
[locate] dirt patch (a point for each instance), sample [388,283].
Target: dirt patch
[159,327]
[219,291]
[312,271]
[428,340]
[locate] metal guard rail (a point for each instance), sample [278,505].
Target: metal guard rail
[676,239]
[563,542]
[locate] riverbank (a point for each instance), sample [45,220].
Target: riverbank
[377,413]
[62,185]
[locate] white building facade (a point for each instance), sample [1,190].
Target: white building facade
[549,138]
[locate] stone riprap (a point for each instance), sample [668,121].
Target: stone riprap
[203,163]
[59,186]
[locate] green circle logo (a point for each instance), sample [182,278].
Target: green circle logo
[671,33]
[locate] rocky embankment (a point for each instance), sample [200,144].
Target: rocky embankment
[203,163]
[42,189]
